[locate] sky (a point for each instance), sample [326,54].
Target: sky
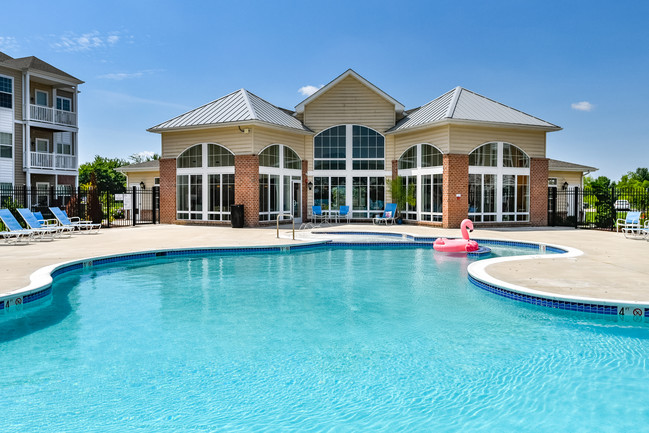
[582,65]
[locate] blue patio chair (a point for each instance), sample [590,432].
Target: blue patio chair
[34,223]
[345,213]
[16,231]
[316,214]
[74,222]
[630,224]
[389,214]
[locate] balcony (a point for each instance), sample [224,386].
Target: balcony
[43,114]
[52,161]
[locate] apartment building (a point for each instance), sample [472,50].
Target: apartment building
[38,127]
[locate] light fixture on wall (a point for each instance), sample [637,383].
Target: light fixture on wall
[565,186]
[310,185]
[142,185]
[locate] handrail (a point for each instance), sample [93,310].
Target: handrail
[282,215]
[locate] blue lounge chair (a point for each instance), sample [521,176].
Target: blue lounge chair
[18,231]
[389,214]
[74,222]
[34,223]
[345,213]
[630,225]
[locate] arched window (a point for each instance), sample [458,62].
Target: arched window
[499,183]
[280,185]
[204,183]
[421,166]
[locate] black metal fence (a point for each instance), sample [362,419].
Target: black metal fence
[131,207]
[594,208]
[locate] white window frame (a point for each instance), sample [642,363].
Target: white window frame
[9,145]
[41,92]
[63,98]
[204,171]
[418,172]
[282,173]
[38,141]
[11,79]
[499,170]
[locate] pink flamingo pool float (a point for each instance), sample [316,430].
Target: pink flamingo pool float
[464,245]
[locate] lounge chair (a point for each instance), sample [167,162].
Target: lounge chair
[18,231]
[345,213]
[316,214]
[74,222]
[630,224]
[34,223]
[389,214]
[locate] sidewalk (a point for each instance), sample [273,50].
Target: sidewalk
[611,267]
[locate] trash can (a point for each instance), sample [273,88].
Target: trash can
[236,216]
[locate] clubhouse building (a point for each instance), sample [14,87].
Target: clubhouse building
[466,155]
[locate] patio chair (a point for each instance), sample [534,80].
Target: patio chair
[345,213]
[317,215]
[18,231]
[34,223]
[630,224]
[389,214]
[74,222]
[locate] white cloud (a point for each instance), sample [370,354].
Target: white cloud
[582,106]
[8,43]
[85,42]
[309,90]
[118,76]
[119,99]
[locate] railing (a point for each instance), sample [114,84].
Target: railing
[48,160]
[51,115]
[282,215]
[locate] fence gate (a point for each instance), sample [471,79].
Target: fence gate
[594,208]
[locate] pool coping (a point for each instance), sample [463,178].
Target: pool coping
[41,280]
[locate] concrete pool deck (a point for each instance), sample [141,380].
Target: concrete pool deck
[611,268]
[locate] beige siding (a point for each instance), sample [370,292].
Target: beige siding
[135,177]
[572,177]
[19,174]
[463,139]
[174,143]
[349,101]
[438,137]
[266,136]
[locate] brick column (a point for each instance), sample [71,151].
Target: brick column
[395,168]
[455,181]
[305,190]
[539,191]
[167,190]
[246,187]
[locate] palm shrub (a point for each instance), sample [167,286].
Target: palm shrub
[402,195]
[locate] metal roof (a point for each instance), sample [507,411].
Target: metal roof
[151,165]
[398,106]
[239,106]
[464,105]
[556,165]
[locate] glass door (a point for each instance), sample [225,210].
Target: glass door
[296,200]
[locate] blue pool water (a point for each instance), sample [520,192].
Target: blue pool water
[328,340]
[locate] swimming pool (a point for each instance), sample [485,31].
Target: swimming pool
[346,339]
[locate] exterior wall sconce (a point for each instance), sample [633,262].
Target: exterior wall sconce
[564,186]
[142,185]
[310,185]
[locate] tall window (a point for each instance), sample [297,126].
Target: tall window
[350,156]
[6,145]
[280,174]
[499,183]
[204,183]
[6,92]
[422,166]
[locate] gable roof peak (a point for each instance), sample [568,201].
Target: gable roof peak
[398,106]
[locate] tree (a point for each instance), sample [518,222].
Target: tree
[402,195]
[104,169]
[145,156]
[635,179]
